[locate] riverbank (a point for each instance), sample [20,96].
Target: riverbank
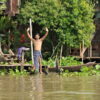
[88,69]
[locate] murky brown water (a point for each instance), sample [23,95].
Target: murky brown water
[50,87]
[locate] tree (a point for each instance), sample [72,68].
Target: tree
[69,21]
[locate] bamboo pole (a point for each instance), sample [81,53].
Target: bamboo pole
[31,42]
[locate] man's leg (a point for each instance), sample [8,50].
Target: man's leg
[36,63]
[40,64]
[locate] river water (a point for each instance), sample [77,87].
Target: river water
[49,87]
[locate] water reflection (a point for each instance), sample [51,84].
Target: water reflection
[37,87]
[50,87]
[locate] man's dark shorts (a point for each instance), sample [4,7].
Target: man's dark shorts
[37,55]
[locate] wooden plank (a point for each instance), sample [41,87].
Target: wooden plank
[11,65]
[53,69]
[92,57]
[88,57]
[90,51]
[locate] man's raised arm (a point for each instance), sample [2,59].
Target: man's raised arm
[45,34]
[28,34]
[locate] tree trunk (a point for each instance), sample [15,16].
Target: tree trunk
[61,53]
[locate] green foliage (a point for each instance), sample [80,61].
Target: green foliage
[97,67]
[4,23]
[66,71]
[18,72]
[2,6]
[49,63]
[69,61]
[70,22]
[85,71]
[44,63]
[3,72]
[65,61]
[13,72]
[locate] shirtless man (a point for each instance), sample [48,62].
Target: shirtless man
[37,41]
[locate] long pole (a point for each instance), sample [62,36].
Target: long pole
[31,42]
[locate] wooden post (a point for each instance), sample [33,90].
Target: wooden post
[0,46]
[88,53]
[82,50]
[31,42]
[22,66]
[91,51]
[22,57]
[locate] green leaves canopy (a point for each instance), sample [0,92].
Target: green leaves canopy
[2,6]
[71,21]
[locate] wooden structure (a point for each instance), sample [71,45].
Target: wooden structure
[93,52]
[12,7]
[46,69]
[71,68]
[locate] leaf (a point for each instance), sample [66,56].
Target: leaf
[97,67]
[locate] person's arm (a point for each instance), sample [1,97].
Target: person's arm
[28,34]
[45,34]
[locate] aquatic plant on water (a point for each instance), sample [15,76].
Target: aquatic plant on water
[70,61]
[13,72]
[49,63]
[64,61]
[85,71]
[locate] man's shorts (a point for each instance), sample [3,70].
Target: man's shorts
[37,54]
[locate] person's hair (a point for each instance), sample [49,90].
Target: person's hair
[37,34]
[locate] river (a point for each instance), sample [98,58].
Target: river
[49,87]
